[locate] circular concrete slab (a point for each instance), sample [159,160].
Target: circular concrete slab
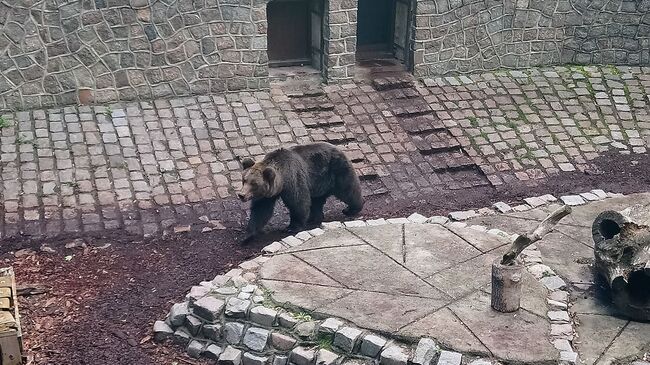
[413,280]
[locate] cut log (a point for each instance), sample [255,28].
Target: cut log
[523,241]
[506,286]
[622,253]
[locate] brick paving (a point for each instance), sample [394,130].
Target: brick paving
[146,166]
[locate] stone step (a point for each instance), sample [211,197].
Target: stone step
[464,178]
[392,82]
[312,105]
[422,124]
[435,142]
[449,160]
[322,123]
[297,94]
[393,94]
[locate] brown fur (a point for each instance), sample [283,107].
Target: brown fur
[303,177]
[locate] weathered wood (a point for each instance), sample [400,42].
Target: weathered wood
[622,253]
[506,286]
[523,241]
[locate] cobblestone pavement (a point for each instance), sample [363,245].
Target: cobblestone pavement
[145,166]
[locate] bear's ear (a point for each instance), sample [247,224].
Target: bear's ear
[269,175]
[247,163]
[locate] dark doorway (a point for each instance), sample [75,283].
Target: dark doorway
[375,26]
[383,30]
[288,32]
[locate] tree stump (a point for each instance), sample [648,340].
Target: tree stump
[506,286]
[507,271]
[622,253]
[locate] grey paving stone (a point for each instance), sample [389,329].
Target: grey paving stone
[162,331]
[302,356]
[286,320]
[280,360]
[346,338]
[230,356]
[282,342]
[182,336]
[263,316]
[371,345]
[193,324]
[553,282]
[326,357]
[232,332]
[438,220]
[212,331]
[394,355]
[212,352]
[306,329]
[195,348]
[252,359]
[330,325]
[502,207]
[572,200]
[417,218]
[256,338]
[208,308]
[237,308]
[462,215]
[449,358]
[178,313]
[425,351]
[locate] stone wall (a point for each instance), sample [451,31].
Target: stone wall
[61,52]
[340,39]
[58,52]
[458,36]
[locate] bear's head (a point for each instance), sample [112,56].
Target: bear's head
[258,181]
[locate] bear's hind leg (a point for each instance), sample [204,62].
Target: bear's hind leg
[261,213]
[349,192]
[316,211]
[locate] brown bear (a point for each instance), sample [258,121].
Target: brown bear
[303,177]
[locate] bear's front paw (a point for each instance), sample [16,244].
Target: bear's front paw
[247,239]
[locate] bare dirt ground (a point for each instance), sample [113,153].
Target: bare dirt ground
[100,302]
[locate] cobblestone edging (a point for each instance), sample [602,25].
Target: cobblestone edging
[235,321]
[232,320]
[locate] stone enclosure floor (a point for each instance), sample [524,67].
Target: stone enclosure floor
[429,280]
[148,167]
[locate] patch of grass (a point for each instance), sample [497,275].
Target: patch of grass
[4,123]
[555,139]
[510,124]
[522,116]
[109,111]
[72,184]
[325,341]
[613,70]
[473,121]
[302,316]
[22,140]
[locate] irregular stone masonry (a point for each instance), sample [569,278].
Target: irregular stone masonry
[154,167]
[470,36]
[301,337]
[100,51]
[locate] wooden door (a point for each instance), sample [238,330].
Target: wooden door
[401,38]
[317,10]
[288,32]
